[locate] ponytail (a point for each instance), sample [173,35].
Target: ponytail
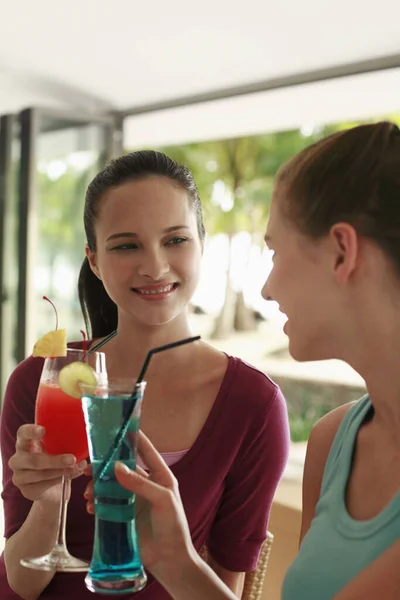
[99,311]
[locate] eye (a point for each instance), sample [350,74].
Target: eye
[126,247]
[176,240]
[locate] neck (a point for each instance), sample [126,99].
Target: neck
[376,359]
[129,348]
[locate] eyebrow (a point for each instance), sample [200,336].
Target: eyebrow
[131,234]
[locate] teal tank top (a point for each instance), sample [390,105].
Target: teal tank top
[336,548]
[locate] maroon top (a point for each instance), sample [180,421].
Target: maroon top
[227,479]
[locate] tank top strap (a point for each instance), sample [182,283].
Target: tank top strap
[345,438]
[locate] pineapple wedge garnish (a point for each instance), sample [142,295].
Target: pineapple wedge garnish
[53,343]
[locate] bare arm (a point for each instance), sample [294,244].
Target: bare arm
[232,579]
[319,445]
[195,581]
[37,475]
[381,579]
[36,537]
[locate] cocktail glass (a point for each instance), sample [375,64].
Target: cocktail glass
[112,415]
[62,416]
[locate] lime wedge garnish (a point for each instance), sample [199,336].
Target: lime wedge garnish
[72,375]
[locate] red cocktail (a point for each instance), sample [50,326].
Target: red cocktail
[59,410]
[62,417]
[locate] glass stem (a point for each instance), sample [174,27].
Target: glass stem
[62,522]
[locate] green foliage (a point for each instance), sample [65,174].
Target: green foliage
[60,204]
[60,208]
[247,167]
[60,242]
[302,422]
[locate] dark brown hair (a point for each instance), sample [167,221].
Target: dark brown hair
[351,176]
[99,311]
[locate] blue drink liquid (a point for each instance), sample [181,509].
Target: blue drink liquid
[116,567]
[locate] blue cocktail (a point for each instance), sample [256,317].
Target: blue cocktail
[112,415]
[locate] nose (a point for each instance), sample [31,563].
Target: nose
[154,265]
[265,292]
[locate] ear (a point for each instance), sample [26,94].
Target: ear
[346,251]
[91,256]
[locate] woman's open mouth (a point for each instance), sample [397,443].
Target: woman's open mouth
[155,292]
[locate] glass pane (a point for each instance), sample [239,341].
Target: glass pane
[67,157]
[10,264]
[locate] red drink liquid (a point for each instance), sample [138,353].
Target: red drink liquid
[62,416]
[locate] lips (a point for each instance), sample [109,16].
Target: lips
[155,292]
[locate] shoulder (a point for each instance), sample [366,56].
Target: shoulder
[324,432]
[25,376]
[20,393]
[257,430]
[318,449]
[19,402]
[240,379]
[262,410]
[261,395]
[250,378]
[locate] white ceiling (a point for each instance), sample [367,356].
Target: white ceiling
[98,55]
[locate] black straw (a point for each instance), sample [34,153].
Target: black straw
[121,433]
[161,349]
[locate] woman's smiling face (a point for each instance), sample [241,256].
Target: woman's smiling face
[148,250]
